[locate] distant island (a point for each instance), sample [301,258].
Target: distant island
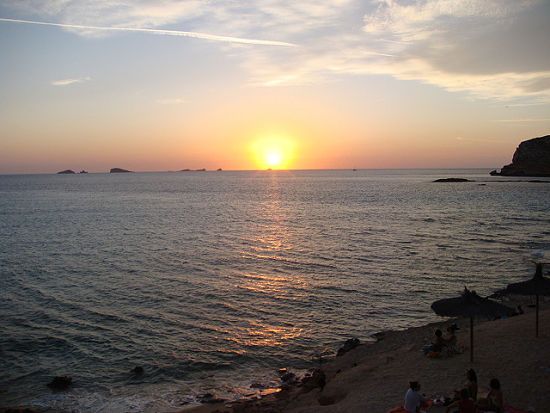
[531,158]
[452,180]
[119,171]
[66,172]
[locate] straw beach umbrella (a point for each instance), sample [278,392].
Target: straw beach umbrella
[471,305]
[537,286]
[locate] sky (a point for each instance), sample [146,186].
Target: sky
[167,85]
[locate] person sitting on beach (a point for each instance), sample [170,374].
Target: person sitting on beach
[413,399]
[463,405]
[494,400]
[437,345]
[451,341]
[470,385]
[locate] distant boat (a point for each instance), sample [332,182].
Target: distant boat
[83,172]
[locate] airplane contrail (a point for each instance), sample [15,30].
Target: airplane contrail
[195,35]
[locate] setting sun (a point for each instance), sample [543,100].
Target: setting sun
[273,152]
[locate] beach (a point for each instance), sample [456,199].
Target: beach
[374,376]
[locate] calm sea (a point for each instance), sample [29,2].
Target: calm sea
[212,280]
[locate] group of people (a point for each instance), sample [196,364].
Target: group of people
[447,344]
[465,399]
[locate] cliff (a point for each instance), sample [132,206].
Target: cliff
[532,158]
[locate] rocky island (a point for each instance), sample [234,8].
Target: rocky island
[66,172]
[531,158]
[119,171]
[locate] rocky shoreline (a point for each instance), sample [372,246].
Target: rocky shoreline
[373,377]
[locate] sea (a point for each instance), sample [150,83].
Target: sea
[212,281]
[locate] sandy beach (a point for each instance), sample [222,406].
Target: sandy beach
[374,377]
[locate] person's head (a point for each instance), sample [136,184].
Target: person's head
[414,385]
[464,394]
[438,333]
[471,375]
[495,384]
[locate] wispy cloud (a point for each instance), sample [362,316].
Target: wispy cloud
[522,120]
[72,81]
[170,101]
[196,35]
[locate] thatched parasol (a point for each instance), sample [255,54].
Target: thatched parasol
[537,286]
[471,305]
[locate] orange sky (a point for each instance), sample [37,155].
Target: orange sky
[346,84]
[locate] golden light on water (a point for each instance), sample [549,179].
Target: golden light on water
[273,152]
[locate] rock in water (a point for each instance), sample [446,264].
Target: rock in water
[60,383]
[66,172]
[532,158]
[350,344]
[119,170]
[452,180]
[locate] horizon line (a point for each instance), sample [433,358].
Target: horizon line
[259,170]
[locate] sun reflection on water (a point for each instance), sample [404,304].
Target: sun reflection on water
[273,280]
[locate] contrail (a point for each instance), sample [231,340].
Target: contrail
[195,35]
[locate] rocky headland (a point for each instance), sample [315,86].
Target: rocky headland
[531,158]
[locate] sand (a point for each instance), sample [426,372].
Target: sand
[374,377]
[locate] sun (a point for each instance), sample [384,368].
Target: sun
[273,152]
[274,158]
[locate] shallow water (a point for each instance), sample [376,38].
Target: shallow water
[213,280]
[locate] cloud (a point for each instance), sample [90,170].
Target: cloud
[522,120]
[495,49]
[72,81]
[170,101]
[196,35]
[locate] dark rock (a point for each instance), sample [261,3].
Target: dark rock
[60,383]
[219,169]
[66,172]
[350,344]
[200,170]
[494,172]
[118,171]
[138,370]
[83,172]
[531,158]
[209,398]
[452,180]
[185,170]
[288,378]
[317,378]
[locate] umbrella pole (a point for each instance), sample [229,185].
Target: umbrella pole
[537,317]
[472,339]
